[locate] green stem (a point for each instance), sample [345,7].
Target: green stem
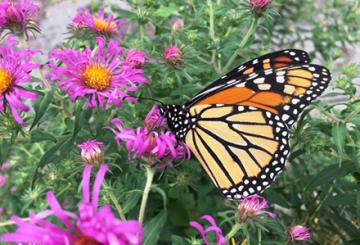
[245,39]
[10,222]
[117,206]
[259,237]
[212,33]
[233,231]
[142,32]
[150,172]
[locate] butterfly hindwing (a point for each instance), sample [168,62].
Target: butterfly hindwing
[241,148]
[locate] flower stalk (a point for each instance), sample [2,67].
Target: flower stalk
[150,172]
[242,44]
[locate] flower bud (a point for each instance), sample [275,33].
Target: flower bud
[257,5]
[178,25]
[299,233]
[173,55]
[91,151]
[135,58]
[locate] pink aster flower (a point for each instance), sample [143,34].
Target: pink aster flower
[97,78]
[253,206]
[154,119]
[90,225]
[299,233]
[220,239]
[15,68]
[150,143]
[91,151]
[19,16]
[257,5]
[2,180]
[173,55]
[100,24]
[135,58]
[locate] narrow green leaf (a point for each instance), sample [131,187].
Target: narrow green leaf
[329,174]
[339,137]
[40,108]
[152,229]
[358,207]
[39,135]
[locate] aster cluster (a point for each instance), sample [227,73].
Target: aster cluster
[151,143]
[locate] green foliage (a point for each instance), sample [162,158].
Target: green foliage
[320,187]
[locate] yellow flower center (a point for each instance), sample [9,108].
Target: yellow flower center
[103,26]
[5,81]
[96,77]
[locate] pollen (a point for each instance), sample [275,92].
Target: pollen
[103,26]
[85,240]
[96,77]
[5,81]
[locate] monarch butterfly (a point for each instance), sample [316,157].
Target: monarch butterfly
[238,126]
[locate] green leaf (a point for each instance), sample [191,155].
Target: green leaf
[40,107]
[39,135]
[329,174]
[358,206]
[339,136]
[166,11]
[177,240]
[152,229]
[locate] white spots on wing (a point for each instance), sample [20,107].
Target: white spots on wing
[259,80]
[255,61]
[264,86]
[292,53]
[280,79]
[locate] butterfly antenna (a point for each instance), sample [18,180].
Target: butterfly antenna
[145,98]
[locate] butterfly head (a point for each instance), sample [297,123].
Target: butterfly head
[177,119]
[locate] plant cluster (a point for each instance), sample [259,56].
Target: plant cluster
[85,110]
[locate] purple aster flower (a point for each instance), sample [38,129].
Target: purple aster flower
[97,78]
[253,206]
[15,68]
[173,55]
[220,239]
[299,233]
[154,119]
[154,147]
[90,225]
[108,26]
[19,16]
[91,151]
[257,5]
[2,180]
[135,58]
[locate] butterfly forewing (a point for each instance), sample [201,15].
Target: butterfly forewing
[274,60]
[241,148]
